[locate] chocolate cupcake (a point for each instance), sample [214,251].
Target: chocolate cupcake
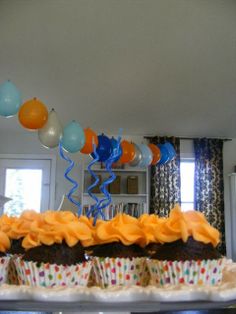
[188,254]
[54,252]
[149,223]
[119,257]
[4,259]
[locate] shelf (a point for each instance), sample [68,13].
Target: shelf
[118,170]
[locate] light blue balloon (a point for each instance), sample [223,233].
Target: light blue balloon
[10,99]
[146,156]
[73,138]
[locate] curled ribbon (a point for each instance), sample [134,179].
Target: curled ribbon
[103,203]
[75,184]
[96,181]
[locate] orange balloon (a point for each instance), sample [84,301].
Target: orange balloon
[156,153]
[128,152]
[90,138]
[33,114]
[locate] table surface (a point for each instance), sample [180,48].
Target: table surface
[25,305]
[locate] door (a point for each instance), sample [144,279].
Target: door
[28,182]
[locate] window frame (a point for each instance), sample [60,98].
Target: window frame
[41,157]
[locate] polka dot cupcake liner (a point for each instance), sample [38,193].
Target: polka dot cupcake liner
[202,272]
[4,266]
[120,271]
[12,273]
[50,275]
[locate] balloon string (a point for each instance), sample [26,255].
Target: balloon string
[92,173]
[116,153]
[74,188]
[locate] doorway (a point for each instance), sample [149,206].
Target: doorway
[29,181]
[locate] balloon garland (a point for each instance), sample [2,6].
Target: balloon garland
[33,115]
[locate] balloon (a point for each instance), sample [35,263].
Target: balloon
[73,138]
[156,153]
[146,156]
[104,148]
[10,99]
[137,157]
[33,114]
[49,135]
[128,152]
[90,139]
[171,150]
[114,144]
[164,154]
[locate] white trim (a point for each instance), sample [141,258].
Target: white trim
[52,158]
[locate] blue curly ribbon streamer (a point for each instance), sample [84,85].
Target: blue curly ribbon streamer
[92,173]
[116,153]
[74,188]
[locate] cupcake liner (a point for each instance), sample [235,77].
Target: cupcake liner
[50,275]
[12,272]
[4,265]
[120,271]
[202,272]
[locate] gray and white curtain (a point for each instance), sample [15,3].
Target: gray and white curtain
[165,180]
[209,184]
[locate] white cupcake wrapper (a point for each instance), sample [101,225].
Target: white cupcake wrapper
[4,266]
[12,272]
[120,271]
[205,272]
[50,275]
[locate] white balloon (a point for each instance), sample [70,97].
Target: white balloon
[49,135]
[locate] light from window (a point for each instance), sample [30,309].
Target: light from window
[187,185]
[24,187]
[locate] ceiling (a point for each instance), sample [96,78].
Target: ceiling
[151,67]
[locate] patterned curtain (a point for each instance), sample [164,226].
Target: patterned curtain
[165,180]
[209,185]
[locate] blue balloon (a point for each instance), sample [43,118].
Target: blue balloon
[114,144]
[73,138]
[146,156]
[164,154]
[10,99]
[104,148]
[171,150]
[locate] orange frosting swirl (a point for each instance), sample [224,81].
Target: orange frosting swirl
[201,230]
[21,226]
[122,228]
[5,226]
[149,223]
[6,223]
[56,227]
[181,225]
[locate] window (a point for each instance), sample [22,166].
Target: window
[187,167]
[29,183]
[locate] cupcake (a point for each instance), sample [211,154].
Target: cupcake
[54,253]
[119,257]
[188,252]
[17,228]
[4,259]
[149,223]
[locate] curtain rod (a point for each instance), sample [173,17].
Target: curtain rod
[192,138]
